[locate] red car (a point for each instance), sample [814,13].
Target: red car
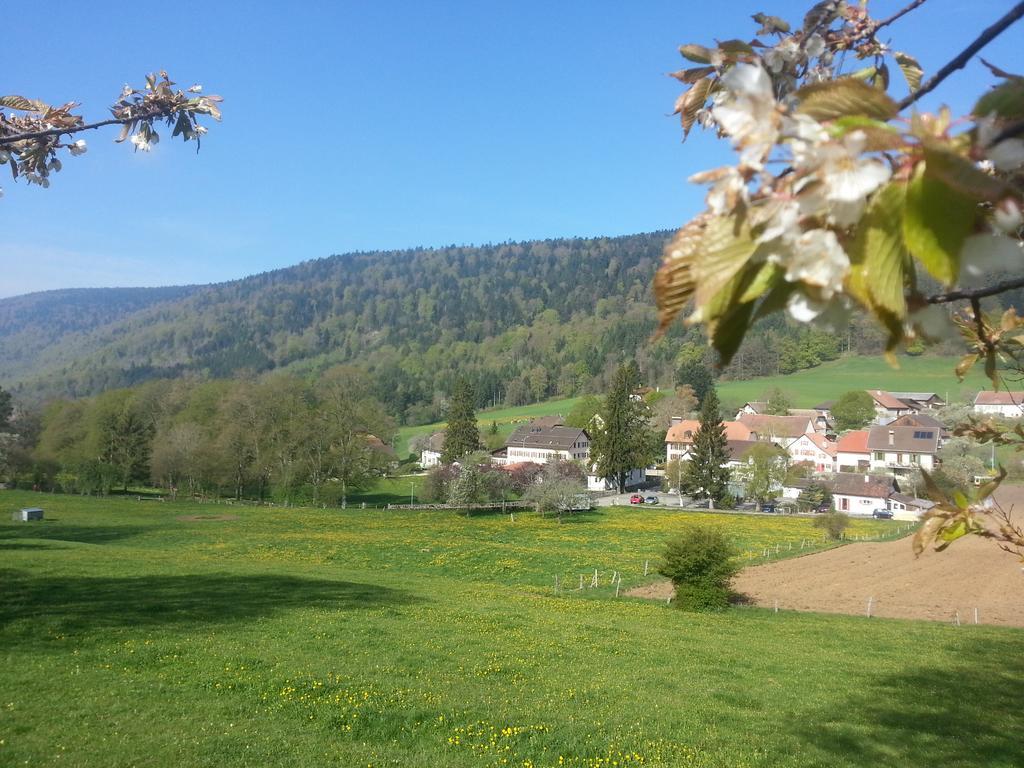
[636,499]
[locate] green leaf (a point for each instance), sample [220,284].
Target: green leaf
[697,53]
[878,257]
[761,281]
[881,136]
[936,220]
[964,366]
[1006,100]
[910,68]
[723,250]
[735,47]
[845,96]
[961,174]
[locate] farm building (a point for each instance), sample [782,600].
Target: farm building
[1008,404]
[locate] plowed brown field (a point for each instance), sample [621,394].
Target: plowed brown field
[972,575]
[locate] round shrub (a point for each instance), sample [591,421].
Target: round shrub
[701,563]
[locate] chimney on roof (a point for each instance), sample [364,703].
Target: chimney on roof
[892,437]
[675,420]
[867,479]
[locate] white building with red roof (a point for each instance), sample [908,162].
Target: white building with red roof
[1008,404]
[852,453]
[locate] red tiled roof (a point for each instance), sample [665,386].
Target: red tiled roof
[824,443]
[887,400]
[853,442]
[777,426]
[677,433]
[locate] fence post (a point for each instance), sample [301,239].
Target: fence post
[870,601]
[646,563]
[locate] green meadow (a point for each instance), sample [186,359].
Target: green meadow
[178,634]
[827,381]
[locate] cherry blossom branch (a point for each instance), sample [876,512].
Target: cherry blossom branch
[961,60]
[15,138]
[977,293]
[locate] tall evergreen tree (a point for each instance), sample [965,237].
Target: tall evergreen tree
[462,435]
[620,444]
[707,477]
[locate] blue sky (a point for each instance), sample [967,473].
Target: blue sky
[363,126]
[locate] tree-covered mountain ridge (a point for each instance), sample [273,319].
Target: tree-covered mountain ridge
[539,317]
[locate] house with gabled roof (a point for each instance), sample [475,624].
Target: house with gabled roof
[920,400]
[822,421]
[680,435]
[903,449]
[852,454]
[541,444]
[430,456]
[781,430]
[814,449]
[1008,404]
[888,407]
[860,494]
[925,421]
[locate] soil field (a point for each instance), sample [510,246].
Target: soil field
[973,574]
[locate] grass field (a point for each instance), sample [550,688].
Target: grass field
[809,387]
[134,633]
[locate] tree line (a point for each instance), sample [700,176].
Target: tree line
[279,437]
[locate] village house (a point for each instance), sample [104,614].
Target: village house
[682,432]
[814,449]
[1007,404]
[923,420]
[852,454]
[903,449]
[430,456]
[920,401]
[822,420]
[858,494]
[541,444]
[781,430]
[888,407]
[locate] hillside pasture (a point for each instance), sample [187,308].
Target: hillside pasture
[134,635]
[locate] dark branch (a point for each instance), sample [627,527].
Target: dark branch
[977,293]
[897,15]
[15,138]
[961,61]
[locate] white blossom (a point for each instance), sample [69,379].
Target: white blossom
[196,89]
[1008,154]
[846,178]
[816,258]
[728,188]
[933,322]
[78,148]
[145,142]
[986,253]
[786,52]
[815,46]
[1008,217]
[784,224]
[748,113]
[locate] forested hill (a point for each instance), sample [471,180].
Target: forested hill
[32,323]
[526,320]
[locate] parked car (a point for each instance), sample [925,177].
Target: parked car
[882,514]
[636,498]
[769,508]
[651,500]
[823,507]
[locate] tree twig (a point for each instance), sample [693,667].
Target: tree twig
[900,13]
[965,55]
[976,293]
[15,138]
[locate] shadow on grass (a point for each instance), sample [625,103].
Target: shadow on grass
[86,603]
[931,715]
[84,534]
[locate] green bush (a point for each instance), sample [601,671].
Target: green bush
[701,564]
[833,523]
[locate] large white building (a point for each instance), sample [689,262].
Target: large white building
[1008,404]
[541,444]
[902,449]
